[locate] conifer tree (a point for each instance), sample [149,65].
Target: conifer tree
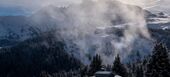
[83,71]
[118,67]
[95,65]
[139,71]
[159,65]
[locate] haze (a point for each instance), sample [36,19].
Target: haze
[21,7]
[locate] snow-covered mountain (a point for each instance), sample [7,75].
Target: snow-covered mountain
[21,28]
[14,29]
[159,21]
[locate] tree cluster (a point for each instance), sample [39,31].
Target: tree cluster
[31,57]
[157,64]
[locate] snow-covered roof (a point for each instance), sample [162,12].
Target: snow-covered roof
[117,76]
[103,72]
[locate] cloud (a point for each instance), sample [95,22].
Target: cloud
[26,7]
[80,22]
[141,3]
[32,3]
[82,18]
[163,5]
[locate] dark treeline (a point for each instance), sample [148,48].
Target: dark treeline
[45,56]
[157,64]
[33,57]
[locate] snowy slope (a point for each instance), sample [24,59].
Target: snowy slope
[160,21]
[19,28]
[15,28]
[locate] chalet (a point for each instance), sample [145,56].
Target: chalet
[104,74]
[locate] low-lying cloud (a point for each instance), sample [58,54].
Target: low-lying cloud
[89,27]
[93,27]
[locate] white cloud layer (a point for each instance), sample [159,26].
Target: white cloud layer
[162,5]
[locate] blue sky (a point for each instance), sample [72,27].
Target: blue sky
[22,7]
